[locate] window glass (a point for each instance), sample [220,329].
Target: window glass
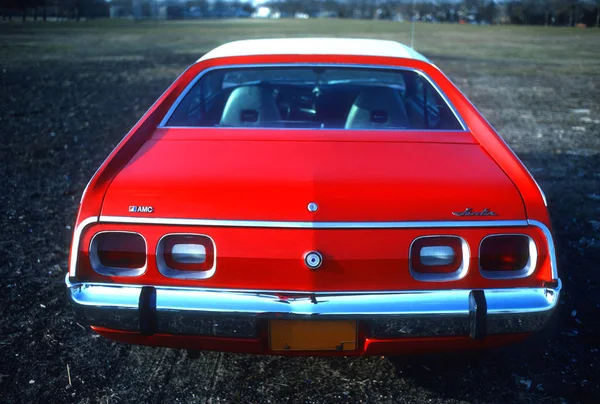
[314,97]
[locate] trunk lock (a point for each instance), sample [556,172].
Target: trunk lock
[313,259]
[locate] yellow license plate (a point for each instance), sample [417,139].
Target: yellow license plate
[309,335]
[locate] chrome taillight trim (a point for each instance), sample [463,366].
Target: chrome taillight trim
[77,240]
[549,244]
[165,270]
[460,273]
[314,225]
[115,271]
[524,272]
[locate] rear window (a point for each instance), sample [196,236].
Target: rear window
[314,97]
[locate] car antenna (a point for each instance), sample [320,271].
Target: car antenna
[412,26]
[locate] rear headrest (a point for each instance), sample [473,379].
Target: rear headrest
[377,108]
[250,106]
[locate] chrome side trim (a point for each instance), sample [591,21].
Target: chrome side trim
[549,243]
[163,123]
[524,272]
[538,185]
[441,141]
[312,225]
[185,91]
[460,273]
[76,240]
[524,166]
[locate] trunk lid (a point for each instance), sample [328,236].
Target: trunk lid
[274,179]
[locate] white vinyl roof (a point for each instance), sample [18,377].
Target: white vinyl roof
[314,46]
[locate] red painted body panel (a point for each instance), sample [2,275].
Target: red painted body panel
[275,179]
[366,345]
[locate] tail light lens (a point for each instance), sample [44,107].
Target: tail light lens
[118,254]
[438,258]
[507,256]
[189,256]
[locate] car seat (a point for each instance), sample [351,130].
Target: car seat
[251,106]
[377,108]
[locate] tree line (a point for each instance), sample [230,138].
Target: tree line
[56,9]
[532,12]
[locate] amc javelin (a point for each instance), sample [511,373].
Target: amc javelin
[313,197]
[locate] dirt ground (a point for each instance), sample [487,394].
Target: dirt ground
[69,92]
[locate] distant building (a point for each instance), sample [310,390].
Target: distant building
[266,12]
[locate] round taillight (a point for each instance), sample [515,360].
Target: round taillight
[118,253]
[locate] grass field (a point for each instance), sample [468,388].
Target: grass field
[70,91]
[575,48]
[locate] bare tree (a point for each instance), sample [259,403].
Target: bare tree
[597,4]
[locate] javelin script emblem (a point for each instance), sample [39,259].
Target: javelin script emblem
[470,212]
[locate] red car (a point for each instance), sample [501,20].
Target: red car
[313,197]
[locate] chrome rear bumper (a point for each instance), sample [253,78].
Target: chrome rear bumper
[235,313]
